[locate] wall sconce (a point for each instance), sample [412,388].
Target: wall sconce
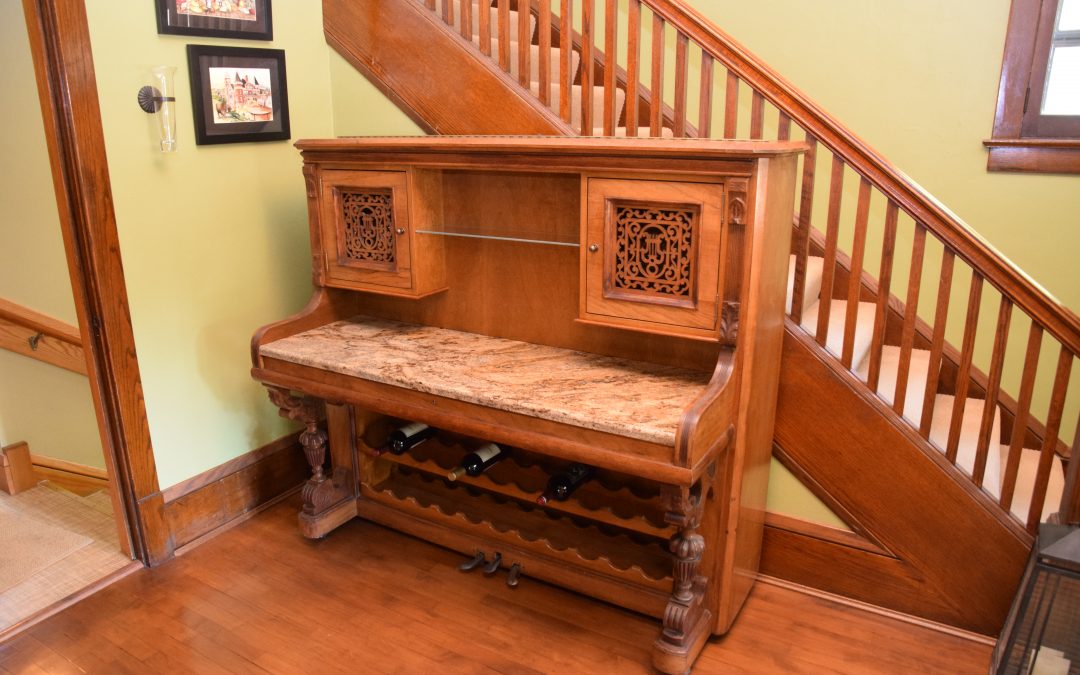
[159,99]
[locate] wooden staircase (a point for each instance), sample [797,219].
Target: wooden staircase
[916,444]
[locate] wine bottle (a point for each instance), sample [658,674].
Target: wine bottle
[408,436]
[478,461]
[562,485]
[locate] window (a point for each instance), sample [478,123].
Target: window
[1037,125]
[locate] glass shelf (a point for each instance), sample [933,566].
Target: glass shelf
[528,236]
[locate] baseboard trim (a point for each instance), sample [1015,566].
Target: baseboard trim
[69,467]
[195,543]
[880,611]
[214,500]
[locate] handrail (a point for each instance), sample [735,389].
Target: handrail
[41,337]
[944,370]
[1001,272]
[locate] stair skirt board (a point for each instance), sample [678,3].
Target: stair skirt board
[918,373]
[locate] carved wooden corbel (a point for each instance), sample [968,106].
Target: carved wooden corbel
[319,493]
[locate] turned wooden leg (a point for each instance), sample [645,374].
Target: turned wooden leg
[323,497]
[686,619]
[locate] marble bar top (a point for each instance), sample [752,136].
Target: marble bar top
[618,396]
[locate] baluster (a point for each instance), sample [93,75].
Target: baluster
[1050,440]
[832,232]
[963,374]
[504,35]
[543,21]
[465,12]
[993,388]
[633,64]
[1020,420]
[524,40]
[484,16]
[705,97]
[911,308]
[888,249]
[448,12]
[783,127]
[587,66]
[731,105]
[656,101]
[566,48]
[757,115]
[802,232]
[1069,511]
[937,343]
[858,249]
[430,4]
[611,34]
[681,43]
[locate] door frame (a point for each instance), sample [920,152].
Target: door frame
[67,88]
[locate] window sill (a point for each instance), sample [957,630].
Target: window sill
[1033,155]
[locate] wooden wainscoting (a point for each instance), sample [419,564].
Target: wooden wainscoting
[215,500]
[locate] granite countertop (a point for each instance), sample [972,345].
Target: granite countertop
[618,396]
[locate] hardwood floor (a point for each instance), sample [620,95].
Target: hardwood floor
[259,598]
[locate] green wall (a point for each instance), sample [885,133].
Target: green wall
[214,238]
[48,407]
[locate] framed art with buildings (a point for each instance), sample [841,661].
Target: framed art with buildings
[238,95]
[244,19]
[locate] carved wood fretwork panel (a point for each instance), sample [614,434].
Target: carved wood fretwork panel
[655,251]
[367,222]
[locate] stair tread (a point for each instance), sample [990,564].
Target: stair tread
[864,327]
[812,286]
[475,16]
[575,101]
[967,445]
[534,63]
[1025,484]
[918,372]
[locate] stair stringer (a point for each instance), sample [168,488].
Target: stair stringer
[956,558]
[466,94]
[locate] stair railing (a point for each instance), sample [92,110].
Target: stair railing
[895,228]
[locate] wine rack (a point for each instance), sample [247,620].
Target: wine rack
[607,499]
[612,527]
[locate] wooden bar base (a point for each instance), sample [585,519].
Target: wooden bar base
[319,525]
[678,659]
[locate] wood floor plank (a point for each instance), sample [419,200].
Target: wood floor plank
[261,599]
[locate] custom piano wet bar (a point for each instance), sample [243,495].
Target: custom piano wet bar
[615,304]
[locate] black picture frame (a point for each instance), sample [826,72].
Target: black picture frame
[172,19]
[230,104]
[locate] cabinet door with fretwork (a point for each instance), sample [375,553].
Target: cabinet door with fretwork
[365,229]
[651,255]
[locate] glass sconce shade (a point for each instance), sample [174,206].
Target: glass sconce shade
[160,100]
[1042,632]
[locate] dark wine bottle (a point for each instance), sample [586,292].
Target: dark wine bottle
[562,485]
[408,436]
[478,461]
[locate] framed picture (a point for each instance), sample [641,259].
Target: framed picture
[238,95]
[245,19]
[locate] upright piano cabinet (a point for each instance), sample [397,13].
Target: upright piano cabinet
[616,303]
